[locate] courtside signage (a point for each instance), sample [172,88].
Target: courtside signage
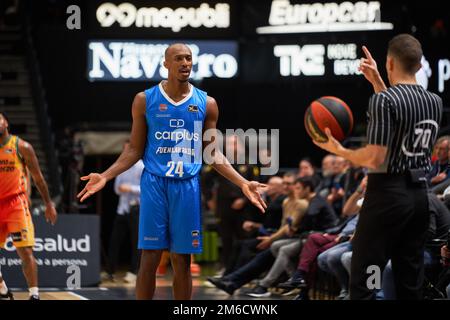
[286,17]
[143,60]
[311,59]
[176,19]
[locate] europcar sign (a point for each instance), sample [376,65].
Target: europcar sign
[286,17]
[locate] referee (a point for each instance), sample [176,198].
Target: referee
[403,123]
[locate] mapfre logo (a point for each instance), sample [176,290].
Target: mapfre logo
[126,15]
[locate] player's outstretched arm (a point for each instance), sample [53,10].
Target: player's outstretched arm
[128,157]
[368,67]
[32,163]
[221,164]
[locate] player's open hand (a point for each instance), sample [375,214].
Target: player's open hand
[50,214]
[368,66]
[332,145]
[251,192]
[96,182]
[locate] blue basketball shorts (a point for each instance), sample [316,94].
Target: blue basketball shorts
[170,214]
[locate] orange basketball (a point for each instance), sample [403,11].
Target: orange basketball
[328,112]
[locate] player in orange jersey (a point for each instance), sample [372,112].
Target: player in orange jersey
[16,157]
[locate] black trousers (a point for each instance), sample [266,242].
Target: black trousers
[230,231]
[392,225]
[124,226]
[243,252]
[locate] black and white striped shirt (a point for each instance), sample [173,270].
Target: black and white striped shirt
[404,118]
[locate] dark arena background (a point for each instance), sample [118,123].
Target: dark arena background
[69,71]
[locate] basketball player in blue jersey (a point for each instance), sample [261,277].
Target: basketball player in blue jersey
[167,133]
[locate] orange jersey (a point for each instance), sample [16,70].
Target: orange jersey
[13,173]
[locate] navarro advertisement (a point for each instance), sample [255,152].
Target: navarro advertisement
[139,60]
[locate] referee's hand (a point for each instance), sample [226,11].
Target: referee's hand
[368,66]
[332,145]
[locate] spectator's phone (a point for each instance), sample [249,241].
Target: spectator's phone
[289,221]
[263,231]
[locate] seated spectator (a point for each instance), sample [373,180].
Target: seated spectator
[275,196]
[284,251]
[336,196]
[438,229]
[352,179]
[294,208]
[319,216]
[330,260]
[439,178]
[326,183]
[320,242]
[306,169]
[439,172]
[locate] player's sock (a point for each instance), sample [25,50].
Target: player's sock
[3,288]
[34,291]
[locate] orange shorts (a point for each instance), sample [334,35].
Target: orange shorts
[15,221]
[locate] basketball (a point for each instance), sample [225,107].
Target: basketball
[328,112]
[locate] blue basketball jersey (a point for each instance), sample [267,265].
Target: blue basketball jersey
[174,137]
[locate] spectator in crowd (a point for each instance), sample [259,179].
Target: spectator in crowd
[306,169]
[326,183]
[286,249]
[230,202]
[439,174]
[330,260]
[275,195]
[126,222]
[318,216]
[352,179]
[317,243]
[293,206]
[336,196]
[439,226]
[440,169]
